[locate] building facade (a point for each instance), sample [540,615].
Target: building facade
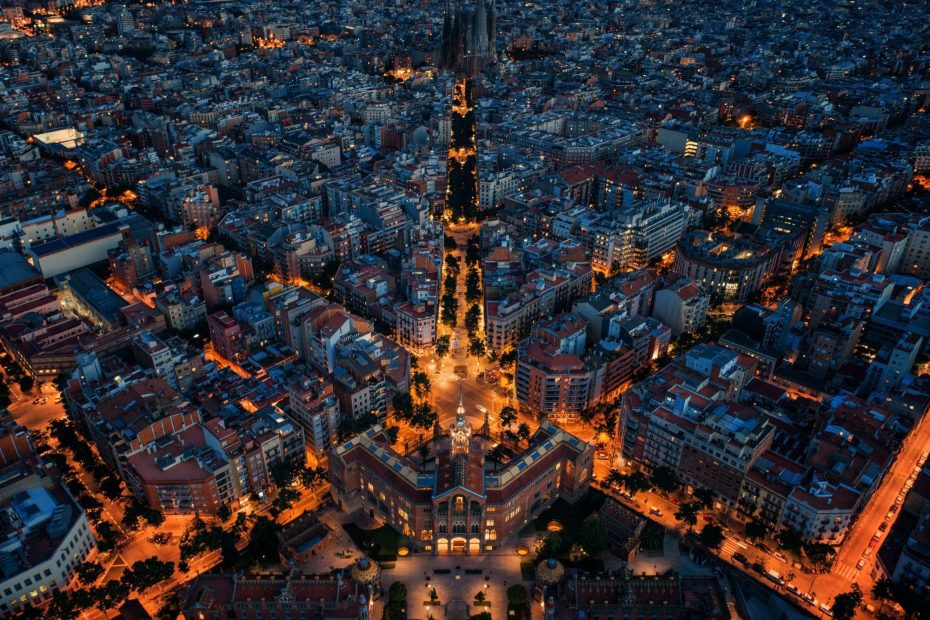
[454,501]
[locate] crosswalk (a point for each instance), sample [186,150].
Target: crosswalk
[729,547]
[845,571]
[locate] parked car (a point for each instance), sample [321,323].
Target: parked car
[742,559]
[757,566]
[780,557]
[655,511]
[860,564]
[883,527]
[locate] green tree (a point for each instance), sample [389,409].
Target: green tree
[402,405]
[311,477]
[508,359]
[88,572]
[712,536]
[638,482]
[397,593]
[472,285]
[67,605]
[476,347]
[450,310]
[285,500]
[473,319]
[424,416]
[472,250]
[687,513]
[421,383]
[111,595]
[263,540]
[615,478]
[821,555]
[144,574]
[443,344]
[665,479]
[789,540]
[517,595]
[705,498]
[523,432]
[883,589]
[552,545]
[107,536]
[593,536]
[845,605]
[508,416]
[756,530]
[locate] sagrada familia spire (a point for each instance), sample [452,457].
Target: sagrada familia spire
[469,37]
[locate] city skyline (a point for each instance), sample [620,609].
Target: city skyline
[464,310]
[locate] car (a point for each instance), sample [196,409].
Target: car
[44,400]
[825,609]
[655,511]
[602,455]
[793,589]
[877,534]
[883,527]
[758,567]
[860,564]
[763,548]
[893,509]
[807,597]
[780,557]
[742,559]
[867,552]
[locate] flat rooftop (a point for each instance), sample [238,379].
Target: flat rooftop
[94,292]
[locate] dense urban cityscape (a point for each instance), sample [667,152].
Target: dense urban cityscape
[465,310]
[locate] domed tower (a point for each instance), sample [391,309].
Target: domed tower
[461,430]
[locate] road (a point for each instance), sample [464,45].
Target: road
[873,515]
[821,589]
[135,545]
[446,384]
